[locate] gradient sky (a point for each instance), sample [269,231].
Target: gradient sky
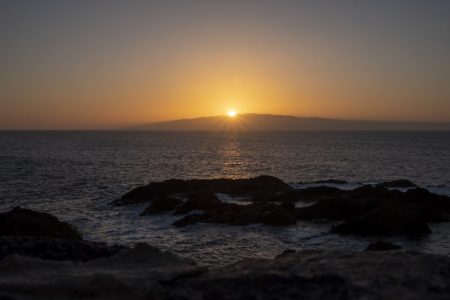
[105,64]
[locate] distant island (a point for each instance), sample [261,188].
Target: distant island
[267,122]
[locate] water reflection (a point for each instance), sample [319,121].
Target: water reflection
[233,162]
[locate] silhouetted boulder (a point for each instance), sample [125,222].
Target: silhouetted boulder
[286,252]
[400,183]
[55,249]
[326,181]
[162,204]
[199,201]
[261,185]
[26,222]
[385,221]
[382,246]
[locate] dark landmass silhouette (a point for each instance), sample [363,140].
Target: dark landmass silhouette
[267,122]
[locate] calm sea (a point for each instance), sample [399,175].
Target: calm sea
[74,175]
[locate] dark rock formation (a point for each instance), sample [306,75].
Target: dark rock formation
[315,274]
[147,273]
[138,273]
[162,204]
[382,246]
[232,214]
[385,221]
[400,183]
[55,249]
[25,222]
[261,185]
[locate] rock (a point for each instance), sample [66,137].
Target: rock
[199,201]
[26,222]
[385,221]
[55,249]
[286,252]
[162,204]
[323,274]
[382,246]
[337,209]
[400,183]
[233,214]
[261,185]
[139,273]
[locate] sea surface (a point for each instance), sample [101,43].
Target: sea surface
[75,175]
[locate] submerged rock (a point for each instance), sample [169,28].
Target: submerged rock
[26,222]
[261,185]
[382,246]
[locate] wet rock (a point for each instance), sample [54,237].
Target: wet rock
[199,201]
[385,221]
[26,222]
[261,185]
[318,274]
[382,246]
[55,249]
[400,183]
[162,204]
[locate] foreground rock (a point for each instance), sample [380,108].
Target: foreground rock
[315,274]
[35,234]
[26,222]
[147,273]
[55,249]
[261,185]
[139,273]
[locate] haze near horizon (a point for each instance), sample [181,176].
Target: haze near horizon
[110,64]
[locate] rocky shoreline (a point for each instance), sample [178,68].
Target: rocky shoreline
[42,257]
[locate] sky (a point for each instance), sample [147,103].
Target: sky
[109,64]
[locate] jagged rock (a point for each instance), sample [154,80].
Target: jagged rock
[55,249]
[286,252]
[326,181]
[400,183]
[261,185]
[26,222]
[162,204]
[199,201]
[385,221]
[382,246]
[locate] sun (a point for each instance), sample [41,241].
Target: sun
[232,113]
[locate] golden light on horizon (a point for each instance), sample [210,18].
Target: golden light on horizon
[232,113]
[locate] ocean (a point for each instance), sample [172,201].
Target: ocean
[76,175]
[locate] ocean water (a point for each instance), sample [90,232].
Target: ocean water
[75,175]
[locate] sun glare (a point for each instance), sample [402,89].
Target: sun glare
[232,113]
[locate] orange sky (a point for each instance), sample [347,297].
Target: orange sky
[96,66]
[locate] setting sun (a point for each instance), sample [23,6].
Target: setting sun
[232,113]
